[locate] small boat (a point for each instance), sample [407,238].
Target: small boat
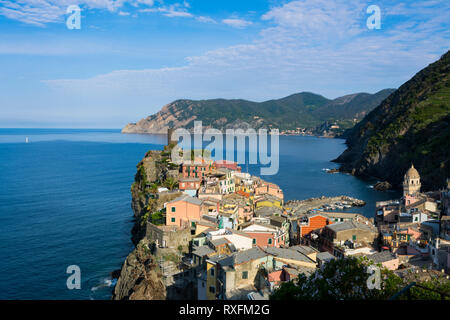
[26,140]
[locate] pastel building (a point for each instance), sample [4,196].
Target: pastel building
[192,184]
[227,164]
[182,210]
[196,170]
[267,235]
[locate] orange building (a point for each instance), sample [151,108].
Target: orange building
[312,223]
[182,210]
[200,170]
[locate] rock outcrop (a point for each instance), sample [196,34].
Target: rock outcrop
[139,278]
[382,186]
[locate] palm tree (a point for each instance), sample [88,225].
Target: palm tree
[170,183]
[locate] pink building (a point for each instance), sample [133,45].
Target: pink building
[269,188]
[182,210]
[189,183]
[386,259]
[227,164]
[408,200]
[266,236]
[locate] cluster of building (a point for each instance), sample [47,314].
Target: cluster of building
[416,228]
[244,241]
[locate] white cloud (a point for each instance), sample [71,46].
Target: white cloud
[170,11]
[41,12]
[237,23]
[335,55]
[122,13]
[175,13]
[205,19]
[319,18]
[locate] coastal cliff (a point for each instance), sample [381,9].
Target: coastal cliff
[140,277]
[301,110]
[411,126]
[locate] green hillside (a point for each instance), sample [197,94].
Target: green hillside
[411,126]
[302,110]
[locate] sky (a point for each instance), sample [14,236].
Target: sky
[131,57]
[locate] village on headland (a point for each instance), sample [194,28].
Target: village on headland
[216,232]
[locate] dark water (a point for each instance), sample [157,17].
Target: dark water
[65,200]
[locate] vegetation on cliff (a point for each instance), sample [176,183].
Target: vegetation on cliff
[154,171]
[140,277]
[410,126]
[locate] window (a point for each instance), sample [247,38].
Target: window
[172,219]
[254,241]
[193,224]
[354,237]
[245,275]
[212,289]
[270,241]
[211,272]
[173,209]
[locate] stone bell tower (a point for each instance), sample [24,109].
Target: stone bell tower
[411,182]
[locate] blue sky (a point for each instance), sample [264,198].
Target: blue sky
[132,57]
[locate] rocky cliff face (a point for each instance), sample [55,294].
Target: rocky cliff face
[139,277]
[410,126]
[171,115]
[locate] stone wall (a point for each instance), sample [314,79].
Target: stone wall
[168,236]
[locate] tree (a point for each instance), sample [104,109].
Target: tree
[170,183]
[340,279]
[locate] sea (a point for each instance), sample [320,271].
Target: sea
[65,201]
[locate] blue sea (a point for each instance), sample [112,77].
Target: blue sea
[65,200]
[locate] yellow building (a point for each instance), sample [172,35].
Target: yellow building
[211,279]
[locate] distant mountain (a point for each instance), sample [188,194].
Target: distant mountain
[411,126]
[301,110]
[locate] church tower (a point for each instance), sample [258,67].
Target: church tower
[411,182]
